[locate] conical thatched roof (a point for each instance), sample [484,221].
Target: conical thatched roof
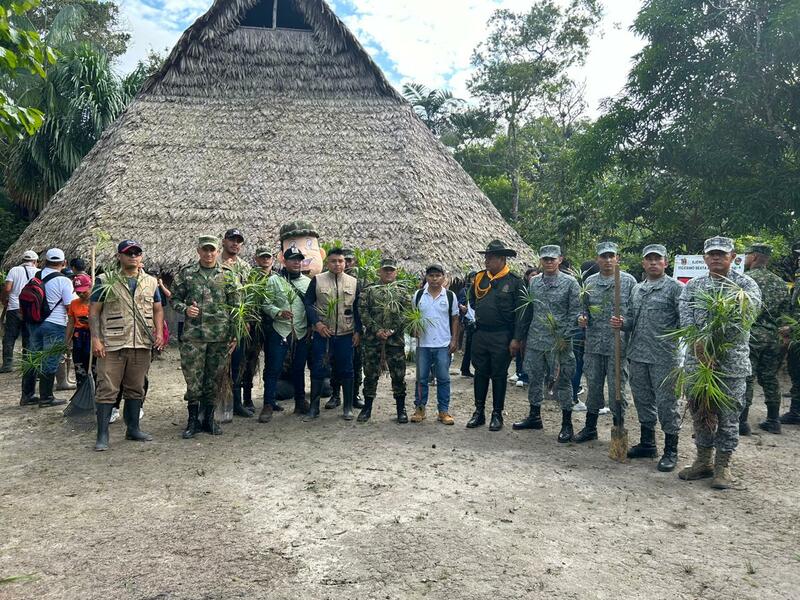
[254,126]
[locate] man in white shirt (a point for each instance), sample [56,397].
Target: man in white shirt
[52,330]
[15,327]
[436,344]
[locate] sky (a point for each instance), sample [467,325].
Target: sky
[426,41]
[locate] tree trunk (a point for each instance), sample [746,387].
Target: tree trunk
[513,168]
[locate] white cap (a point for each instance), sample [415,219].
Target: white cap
[55,255]
[30,255]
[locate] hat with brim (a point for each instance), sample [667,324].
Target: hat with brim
[208,240]
[434,267]
[55,255]
[82,283]
[719,243]
[607,248]
[654,249]
[293,254]
[764,249]
[389,263]
[30,255]
[233,234]
[262,252]
[126,245]
[498,248]
[551,251]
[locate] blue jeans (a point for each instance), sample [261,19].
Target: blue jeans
[521,374]
[340,355]
[439,359]
[44,336]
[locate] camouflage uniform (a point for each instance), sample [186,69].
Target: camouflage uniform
[735,363]
[559,296]
[793,358]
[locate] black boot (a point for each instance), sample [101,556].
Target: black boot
[366,412]
[566,433]
[210,424]
[300,405]
[247,400]
[400,405]
[499,385]
[103,412]
[238,409]
[496,422]
[646,448]
[792,417]
[589,431]
[773,422]
[669,461]
[532,421]
[29,396]
[316,390]
[193,424]
[334,400]
[744,426]
[480,385]
[131,416]
[347,399]
[46,398]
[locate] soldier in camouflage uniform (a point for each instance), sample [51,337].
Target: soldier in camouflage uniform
[735,363]
[653,312]
[201,291]
[382,307]
[555,303]
[792,417]
[766,348]
[599,357]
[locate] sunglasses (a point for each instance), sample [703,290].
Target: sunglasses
[133,253]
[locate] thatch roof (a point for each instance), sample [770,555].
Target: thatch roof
[254,127]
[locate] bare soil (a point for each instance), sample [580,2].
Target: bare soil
[346,510]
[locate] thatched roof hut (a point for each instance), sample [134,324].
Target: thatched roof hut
[268,111]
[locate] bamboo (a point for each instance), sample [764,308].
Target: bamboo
[618,450]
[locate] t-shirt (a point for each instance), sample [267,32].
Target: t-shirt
[58,288]
[434,310]
[18,276]
[79,312]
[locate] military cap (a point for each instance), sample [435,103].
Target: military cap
[498,248]
[208,240]
[764,249]
[263,251]
[654,249]
[234,233]
[298,229]
[606,247]
[348,253]
[718,243]
[551,251]
[434,267]
[292,253]
[388,263]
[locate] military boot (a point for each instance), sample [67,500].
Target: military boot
[400,405]
[28,396]
[347,399]
[646,448]
[499,385]
[103,412]
[366,412]
[131,415]
[313,409]
[247,399]
[773,422]
[334,400]
[46,398]
[793,416]
[723,479]
[701,468]
[567,433]
[478,418]
[238,409]
[744,426]
[669,460]
[480,384]
[210,424]
[532,421]
[589,431]
[357,401]
[193,424]
[300,405]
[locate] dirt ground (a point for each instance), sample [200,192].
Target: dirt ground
[346,510]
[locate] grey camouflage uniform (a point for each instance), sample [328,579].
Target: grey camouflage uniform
[735,363]
[653,311]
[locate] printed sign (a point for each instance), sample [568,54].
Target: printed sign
[689,266]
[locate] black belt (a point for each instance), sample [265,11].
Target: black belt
[493,328]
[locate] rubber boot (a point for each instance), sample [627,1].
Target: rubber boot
[247,399]
[701,468]
[313,409]
[334,400]
[29,396]
[193,424]
[567,432]
[366,412]
[793,416]
[400,406]
[646,448]
[210,424]
[46,398]
[103,412]
[589,431]
[7,367]
[773,422]
[744,426]
[238,408]
[347,399]
[532,421]
[480,385]
[300,405]
[723,479]
[131,415]
[669,460]
[62,379]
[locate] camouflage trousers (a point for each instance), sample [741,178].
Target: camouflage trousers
[396,363]
[766,362]
[724,436]
[653,389]
[203,364]
[539,365]
[599,370]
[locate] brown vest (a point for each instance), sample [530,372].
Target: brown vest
[344,288]
[120,325]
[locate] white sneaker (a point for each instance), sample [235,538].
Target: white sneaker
[114,415]
[513,378]
[579,407]
[520,383]
[604,411]
[581,391]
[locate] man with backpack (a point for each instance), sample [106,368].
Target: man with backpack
[15,327]
[43,305]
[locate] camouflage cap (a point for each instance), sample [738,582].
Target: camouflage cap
[764,249]
[388,263]
[298,229]
[551,251]
[654,249]
[606,247]
[208,240]
[718,243]
[263,251]
[348,253]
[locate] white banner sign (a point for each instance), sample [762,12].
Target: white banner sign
[689,266]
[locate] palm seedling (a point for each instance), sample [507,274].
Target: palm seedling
[393,302]
[253,292]
[33,360]
[329,314]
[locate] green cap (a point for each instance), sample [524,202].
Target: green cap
[263,251]
[298,229]
[764,249]
[388,263]
[208,240]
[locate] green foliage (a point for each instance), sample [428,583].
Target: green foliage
[33,360]
[253,293]
[11,224]
[434,107]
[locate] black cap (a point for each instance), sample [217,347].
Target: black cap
[292,253]
[126,245]
[233,233]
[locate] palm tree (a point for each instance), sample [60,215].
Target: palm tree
[434,107]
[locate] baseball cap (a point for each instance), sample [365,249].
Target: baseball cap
[764,249]
[606,247]
[126,245]
[292,254]
[30,255]
[718,243]
[82,283]
[551,251]
[208,240]
[389,263]
[654,249]
[55,255]
[263,251]
[434,267]
[233,233]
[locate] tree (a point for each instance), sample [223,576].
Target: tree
[434,107]
[524,60]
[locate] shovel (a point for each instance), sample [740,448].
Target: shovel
[618,450]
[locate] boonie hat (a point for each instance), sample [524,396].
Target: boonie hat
[126,245]
[55,255]
[293,254]
[233,233]
[606,247]
[654,249]
[208,240]
[551,251]
[30,255]
[82,283]
[718,243]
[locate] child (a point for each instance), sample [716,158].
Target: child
[78,338]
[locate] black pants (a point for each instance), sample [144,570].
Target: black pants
[15,328]
[465,362]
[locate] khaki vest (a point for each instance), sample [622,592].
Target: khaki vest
[343,322]
[120,328]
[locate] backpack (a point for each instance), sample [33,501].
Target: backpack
[450,299]
[33,305]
